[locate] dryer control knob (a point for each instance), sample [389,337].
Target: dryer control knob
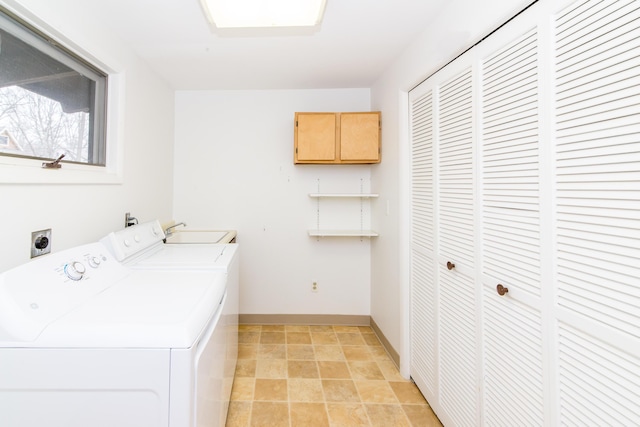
[74,270]
[94,262]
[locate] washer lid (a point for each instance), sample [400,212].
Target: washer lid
[148,309]
[209,256]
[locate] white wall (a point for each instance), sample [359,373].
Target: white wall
[234,169]
[460,24]
[79,213]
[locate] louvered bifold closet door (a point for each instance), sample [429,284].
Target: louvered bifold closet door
[422,243]
[597,162]
[456,252]
[513,391]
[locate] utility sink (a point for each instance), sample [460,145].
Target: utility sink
[200,236]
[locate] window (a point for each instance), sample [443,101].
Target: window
[52,102]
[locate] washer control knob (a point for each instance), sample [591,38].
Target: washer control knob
[94,262]
[74,270]
[127,243]
[136,238]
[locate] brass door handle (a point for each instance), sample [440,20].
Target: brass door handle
[501,290]
[450,265]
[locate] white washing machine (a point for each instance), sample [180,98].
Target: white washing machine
[88,341]
[142,248]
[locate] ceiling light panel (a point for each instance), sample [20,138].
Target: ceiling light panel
[264,13]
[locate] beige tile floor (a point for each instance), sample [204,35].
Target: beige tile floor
[320,376]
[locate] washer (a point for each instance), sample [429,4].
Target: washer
[86,340]
[142,248]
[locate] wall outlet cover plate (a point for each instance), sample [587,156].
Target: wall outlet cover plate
[40,242]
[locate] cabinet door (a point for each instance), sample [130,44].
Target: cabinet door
[315,137]
[360,137]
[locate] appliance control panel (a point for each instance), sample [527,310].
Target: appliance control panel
[38,292]
[128,243]
[82,268]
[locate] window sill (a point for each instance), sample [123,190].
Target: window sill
[30,171]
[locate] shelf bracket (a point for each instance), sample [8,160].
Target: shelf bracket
[318,211]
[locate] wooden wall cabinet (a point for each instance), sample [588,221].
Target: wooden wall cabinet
[337,138]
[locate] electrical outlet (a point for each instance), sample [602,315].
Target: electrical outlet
[40,242]
[314,287]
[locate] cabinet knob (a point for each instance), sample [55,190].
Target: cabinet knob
[450,265]
[501,290]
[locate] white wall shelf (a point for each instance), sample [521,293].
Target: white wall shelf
[349,195]
[331,214]
[343,233]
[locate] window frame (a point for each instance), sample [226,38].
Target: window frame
[109,127]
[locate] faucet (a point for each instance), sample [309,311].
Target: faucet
[168,233]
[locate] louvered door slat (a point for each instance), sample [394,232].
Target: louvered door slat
[455,222]
[517,127]
[597,144]
[423,359]
[597,164]
[518,101]
[457,347]
[617,68]
[607,379]
[580,31]
[519,147]
[617,111]
[496,117]
[510,165]
[422,276]
[518,109]
[455,160]
[513,391]
[598,176]
[511,54]
[604,85]
[595,221]
[517,82]
[513,174]
[514,360]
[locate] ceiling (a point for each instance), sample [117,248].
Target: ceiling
[355,43]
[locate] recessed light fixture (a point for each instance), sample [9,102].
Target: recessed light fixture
[264,13]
